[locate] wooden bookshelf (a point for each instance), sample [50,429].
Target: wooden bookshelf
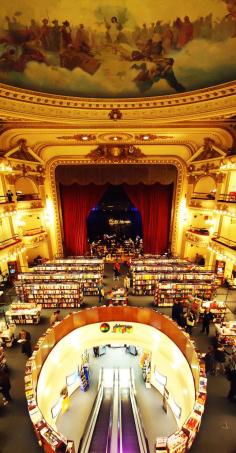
[168,292]
[88,280]
[24,313]
[52,294]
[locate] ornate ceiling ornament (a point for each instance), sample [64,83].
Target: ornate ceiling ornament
[208,151]
[115,114]
[78,137]
[115,153]
[11,179]
[150,137]
[219,178]
[120,137]
[191,168]
[192,179]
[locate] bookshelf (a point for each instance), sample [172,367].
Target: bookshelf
[74,265]
[167,292]
[148,272]
[50,440]
[226,333]
[218,310]
[3,360]
[117,297]
[24,313]
[50,294]
[88,280]
[182,440]
[7,334]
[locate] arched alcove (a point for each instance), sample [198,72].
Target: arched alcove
[205,184]
[26,185]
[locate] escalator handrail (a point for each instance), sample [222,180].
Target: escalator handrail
[108,444]
[119,440]
[142,437]
[92,418]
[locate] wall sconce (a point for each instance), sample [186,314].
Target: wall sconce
[183,214]
[5,167]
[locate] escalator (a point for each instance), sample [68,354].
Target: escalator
[97,433]
[129,433]
[100,434]
[114,424]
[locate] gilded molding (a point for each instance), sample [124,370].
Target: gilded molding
[188,144]
[204,103]
[172,160]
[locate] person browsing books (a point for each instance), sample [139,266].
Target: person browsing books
[24,339]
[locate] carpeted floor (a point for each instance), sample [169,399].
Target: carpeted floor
[217,432]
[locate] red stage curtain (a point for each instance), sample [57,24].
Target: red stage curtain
[154,203]
[76,203]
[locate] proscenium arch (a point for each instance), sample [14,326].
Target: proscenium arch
[179,191]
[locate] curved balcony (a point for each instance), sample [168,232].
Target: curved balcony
[203,196]
[202,200]
[224,241]
[29,201]
[198,236]
[9,242]
[33,236]
[227,197]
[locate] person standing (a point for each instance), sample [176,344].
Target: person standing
[190,321]
[5,387]
[175,311]
[100,293]
[55,317]
[207,318]
[232,391]
[220,359]
[127,282]
[209,361]
[25,339]
[116,269]
[9,196]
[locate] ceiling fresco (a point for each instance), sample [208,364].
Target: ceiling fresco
[118,49]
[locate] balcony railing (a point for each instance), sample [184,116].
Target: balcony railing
[224,241]
[203,196]
[200,231]
[27,196]
[33,231]
[4,199]
[10,241]
[228,197]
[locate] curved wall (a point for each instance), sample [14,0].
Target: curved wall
[170,359]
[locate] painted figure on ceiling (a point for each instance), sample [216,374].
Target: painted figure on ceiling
[151,72]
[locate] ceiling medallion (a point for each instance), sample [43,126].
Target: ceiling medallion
[115,153]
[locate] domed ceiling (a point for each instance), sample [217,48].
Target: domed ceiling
[118,48]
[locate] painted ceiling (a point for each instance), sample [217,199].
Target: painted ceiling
[119,48]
